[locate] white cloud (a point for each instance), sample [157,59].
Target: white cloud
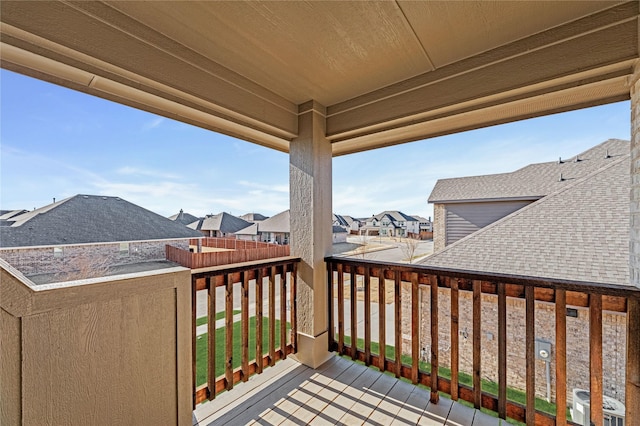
[153,123]
[136,171]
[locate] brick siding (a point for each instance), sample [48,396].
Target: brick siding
[41,260]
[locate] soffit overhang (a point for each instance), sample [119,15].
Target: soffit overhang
[382,73]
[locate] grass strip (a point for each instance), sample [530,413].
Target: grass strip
[219,315]
[202,347]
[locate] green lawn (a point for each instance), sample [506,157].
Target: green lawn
[202,350]
[219,315]
[463,378]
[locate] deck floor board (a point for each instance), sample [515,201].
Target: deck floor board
[338,392]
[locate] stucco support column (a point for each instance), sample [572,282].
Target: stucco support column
[632,389]
[310,203]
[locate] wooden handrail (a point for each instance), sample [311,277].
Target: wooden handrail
[268,277]
[594,296]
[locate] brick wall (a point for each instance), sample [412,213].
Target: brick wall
[41,260]
[439,227]
[614,341]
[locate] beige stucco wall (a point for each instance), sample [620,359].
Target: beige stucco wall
[116,352]
[311,237]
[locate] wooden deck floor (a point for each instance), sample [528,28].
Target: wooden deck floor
[339,392]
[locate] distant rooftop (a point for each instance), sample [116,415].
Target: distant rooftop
[89,219]
[223,222]
[183,218]
[531,182]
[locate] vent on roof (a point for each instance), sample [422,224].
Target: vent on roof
[577,160]
[85,196]
[560,160]
[104,198]
[606,154]
[561,178]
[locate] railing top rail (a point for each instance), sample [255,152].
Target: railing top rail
[237,267]
[627,291]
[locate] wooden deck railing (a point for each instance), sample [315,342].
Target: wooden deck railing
[408,280]
[271,280]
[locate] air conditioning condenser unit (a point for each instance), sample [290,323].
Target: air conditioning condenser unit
[613,410]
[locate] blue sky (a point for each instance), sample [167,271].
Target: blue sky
[56,142]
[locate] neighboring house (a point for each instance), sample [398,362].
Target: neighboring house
[391,223]
[339,234]
[87,232]
[276,229]
[219,225]
[253,217]
[464,205]
[578,232]
[183,218]
[347,222]
[424,224]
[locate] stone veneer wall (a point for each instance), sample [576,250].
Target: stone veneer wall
[439,227]
[41,260]
[614,341]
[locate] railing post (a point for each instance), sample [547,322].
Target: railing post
[632,388]
[435,281]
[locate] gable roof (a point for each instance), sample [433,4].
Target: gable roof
[89,219]
[421,219]
[223,222]
[183,218]
[249,230]
[253,217]
[580,232]
[395,215]
[278,223]
[530,182]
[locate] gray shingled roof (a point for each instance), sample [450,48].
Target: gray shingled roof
[89,219]
[253,217]
[395,215]
[249,230]
[580,232]
[223,222]
[183,218]
[278,223]
[531,182]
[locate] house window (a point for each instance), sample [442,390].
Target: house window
[58,252]
[124,249]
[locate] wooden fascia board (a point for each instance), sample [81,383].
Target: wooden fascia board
[495,113]
[592,43]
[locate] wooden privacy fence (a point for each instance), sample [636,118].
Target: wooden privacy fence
[230,243]
[274,284]
[407,281]
[203,260]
